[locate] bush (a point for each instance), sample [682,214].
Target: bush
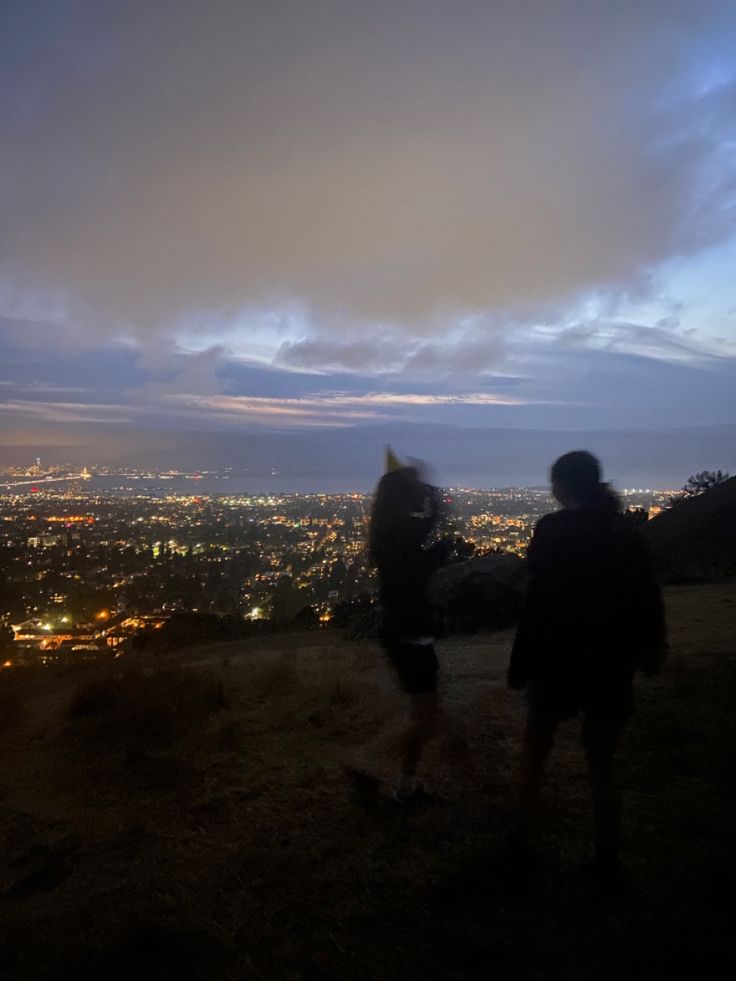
[306,619]
[360,616]
[191,629]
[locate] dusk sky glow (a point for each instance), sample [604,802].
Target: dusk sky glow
[234,217]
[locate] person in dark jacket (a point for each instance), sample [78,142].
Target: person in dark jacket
[593,616]
[405,514]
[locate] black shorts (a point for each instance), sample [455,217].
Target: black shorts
[604,712]
[564,700]
[416,665]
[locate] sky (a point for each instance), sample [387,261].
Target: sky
[336,222]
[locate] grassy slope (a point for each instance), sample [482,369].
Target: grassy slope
[244,850]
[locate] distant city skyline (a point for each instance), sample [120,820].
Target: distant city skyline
[351,460]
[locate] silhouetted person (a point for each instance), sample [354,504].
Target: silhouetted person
[405,514]
[593,615]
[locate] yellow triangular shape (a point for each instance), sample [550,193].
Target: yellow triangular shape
[392,461]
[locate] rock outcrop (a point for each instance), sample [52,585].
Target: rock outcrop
[480,594]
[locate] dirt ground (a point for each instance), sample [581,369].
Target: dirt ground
[252,834]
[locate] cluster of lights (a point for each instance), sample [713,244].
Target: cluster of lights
[296,535]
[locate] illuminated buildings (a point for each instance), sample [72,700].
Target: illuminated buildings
[150,554]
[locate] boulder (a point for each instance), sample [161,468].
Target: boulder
[480,594]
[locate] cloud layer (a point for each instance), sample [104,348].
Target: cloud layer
[405,164]
[261,216]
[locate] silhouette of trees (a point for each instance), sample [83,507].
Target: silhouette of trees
[359,615]
[700,482]
[306,619]
[188,629]
[462,549]
[697,483]
[286,601]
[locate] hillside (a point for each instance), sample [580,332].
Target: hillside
[199,822]
[695,541]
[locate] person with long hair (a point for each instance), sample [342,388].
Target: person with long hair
[405,515]
[593,616]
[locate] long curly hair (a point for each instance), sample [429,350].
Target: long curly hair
[404,514]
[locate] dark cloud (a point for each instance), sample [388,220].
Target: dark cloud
[171,163]
[257,216]
[378,352]
[546,385]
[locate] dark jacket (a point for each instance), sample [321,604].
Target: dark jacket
[405,513]
[593,612]
[404,572]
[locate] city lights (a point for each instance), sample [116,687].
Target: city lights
[123,561]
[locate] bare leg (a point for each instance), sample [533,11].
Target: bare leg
[538,739]
[426,715]
[599,740]
[518,856]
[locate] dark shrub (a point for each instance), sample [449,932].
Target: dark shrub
[191,629]
[359,615]
[306,619]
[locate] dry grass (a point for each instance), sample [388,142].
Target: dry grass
[12,711]
[136,712]
[265,858]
